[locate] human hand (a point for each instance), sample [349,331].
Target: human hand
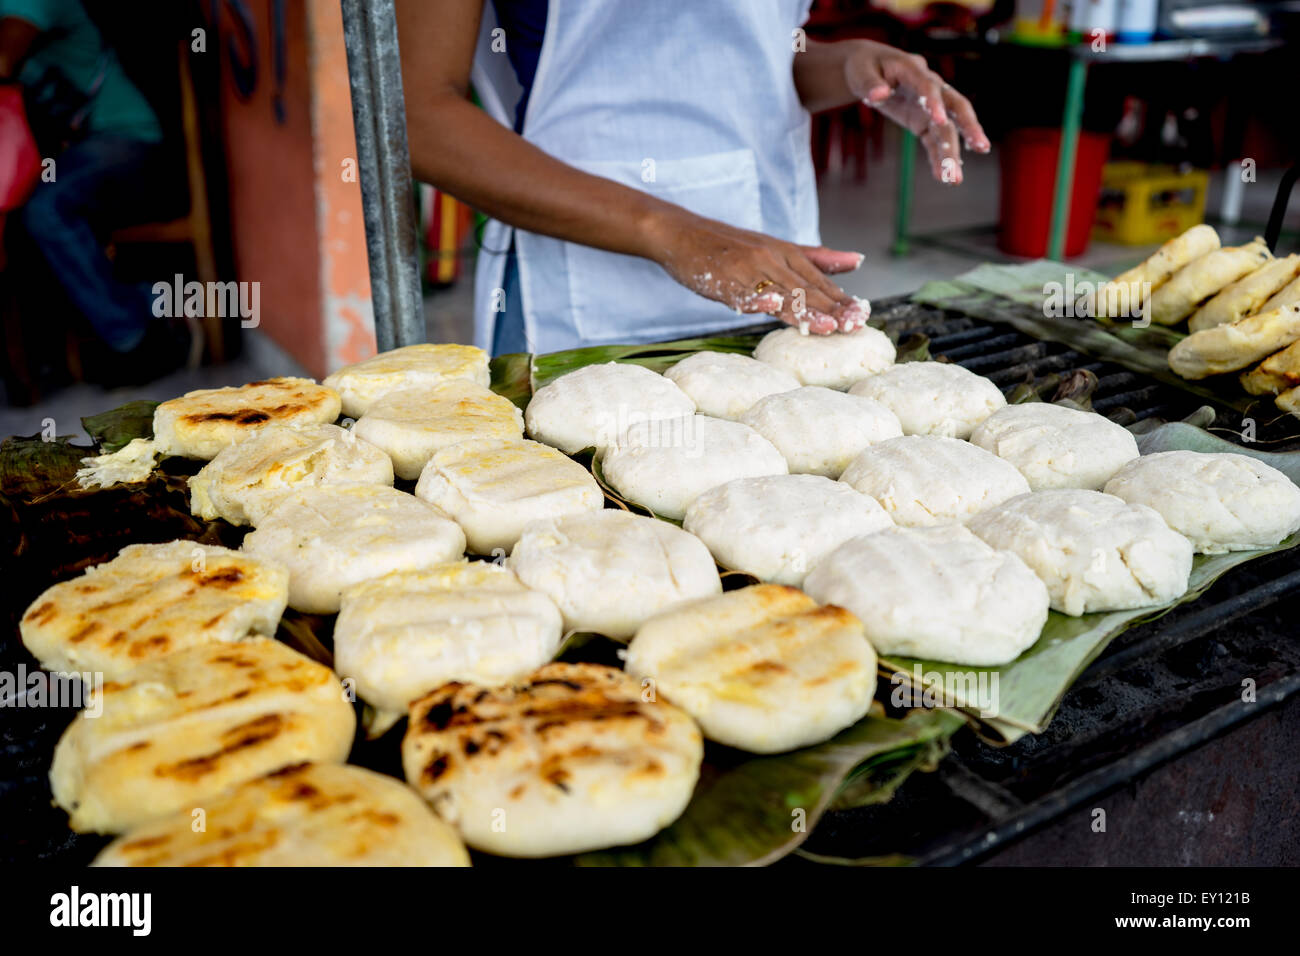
[755,273]
[904,88]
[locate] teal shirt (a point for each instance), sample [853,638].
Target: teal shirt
[79,51]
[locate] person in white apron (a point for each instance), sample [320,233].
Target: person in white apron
[647,164]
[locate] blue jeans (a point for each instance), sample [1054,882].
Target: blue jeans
[509,335]
[99,184]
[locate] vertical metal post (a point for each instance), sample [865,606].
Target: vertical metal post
[384,168]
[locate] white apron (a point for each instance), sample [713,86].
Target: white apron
[691,101]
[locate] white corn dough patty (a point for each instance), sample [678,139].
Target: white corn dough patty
[778,527]
[361,384]
[664,466]
[610,570]
[933,398]
[183,728]
[923,480]
[819,430]
[592,407]
[1057,447]
[153,600]
[199,424]
[412,424]
[492,487]
[938,594]
[248,479]
[765,668]
[835,361]
[1095,552]
[331,538]
[726,385]
[1220,502]
[308,815]
[402,635]
[571,758]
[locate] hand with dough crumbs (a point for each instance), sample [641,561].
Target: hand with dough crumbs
[754,273]
[904,88]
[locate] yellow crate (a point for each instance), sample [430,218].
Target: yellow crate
[1142,203]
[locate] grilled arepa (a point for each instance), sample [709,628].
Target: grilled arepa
[245,481]
[200,424]
[187,726]
[402,635]
[765,668]
[1277,373]
[1124,295]
[332,537]
[575,757]
[1288,295]
[361,384]
[152,600]
[610,570]
[1202,278]
[308,815]
[492,487]
[1246,295]
[413,423]
[1227,348]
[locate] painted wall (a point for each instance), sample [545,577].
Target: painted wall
[296,222]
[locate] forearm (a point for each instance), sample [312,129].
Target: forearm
[459,148]
[820,75]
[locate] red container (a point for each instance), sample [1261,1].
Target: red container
[1028,177]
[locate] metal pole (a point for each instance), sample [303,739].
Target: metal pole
[903,211]
[1064,189]
[384,167]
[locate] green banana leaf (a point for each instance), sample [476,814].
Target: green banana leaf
[1029,689]
[751,810]
[115,429]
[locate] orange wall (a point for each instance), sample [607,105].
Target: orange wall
[296,227]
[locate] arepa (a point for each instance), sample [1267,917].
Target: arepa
[1057,447]
[402,635]
[199,424]
[574,757]
[246,480]
[492,487]
[1201,278]
[833,361]
[152,600]
[1246,295]
[820,430]
[414,423]
[666,465]
[765,668]
[609,570]
[593,406]
[1226,348]
[308,815]
[725,384]
[332,537]
[933,398]
[183,728]
[361,384]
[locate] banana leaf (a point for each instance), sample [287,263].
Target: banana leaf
[659,357]
[1029,689]
[751,810]
[115,429]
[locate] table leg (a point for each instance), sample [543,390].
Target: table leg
[903,211]
[1070,123]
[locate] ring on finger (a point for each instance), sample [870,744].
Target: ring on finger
[761,285]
